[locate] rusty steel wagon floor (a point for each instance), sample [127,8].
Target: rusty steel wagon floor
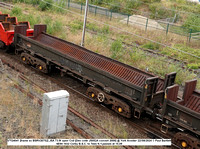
[193,103]
[129,74]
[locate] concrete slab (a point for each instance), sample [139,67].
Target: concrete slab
[141,21]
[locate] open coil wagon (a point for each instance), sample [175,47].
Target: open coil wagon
[7,25]
[182,115]
[127,89]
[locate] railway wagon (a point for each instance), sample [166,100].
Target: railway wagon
[128,90]
[182,115]
[7,25]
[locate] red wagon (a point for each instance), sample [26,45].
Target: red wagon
[7,25]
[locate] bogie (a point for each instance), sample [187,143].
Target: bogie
[118,105]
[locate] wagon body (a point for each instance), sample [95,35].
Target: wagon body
[182,115]
[136,86]
[7,26]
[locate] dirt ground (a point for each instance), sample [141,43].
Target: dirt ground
[20,116]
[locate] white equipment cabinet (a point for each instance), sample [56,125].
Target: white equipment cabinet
[54,112]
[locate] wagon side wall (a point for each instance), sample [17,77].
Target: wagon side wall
[105,80]
[182,117]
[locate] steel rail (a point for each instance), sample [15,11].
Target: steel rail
[6,6]
[73,110]
[131,45]
[82,132]
[84,97]
[30,95]
[147,130]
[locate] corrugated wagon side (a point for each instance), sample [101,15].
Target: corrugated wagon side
[129,90]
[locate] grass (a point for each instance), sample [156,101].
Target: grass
[94,26]
[183,57]
[118,130]
[157,65]
[55,27]
[158,9]
[16,11]
[77,26]
[20,123]
[20,116]
[0,140]
[152,46]
[101,44]
[96,131]
[116,50]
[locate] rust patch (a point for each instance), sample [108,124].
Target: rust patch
[3,17]
[12,20]
[191,97]
[20,29]
[193,102]
[38,29]
[172,92]
[189,88]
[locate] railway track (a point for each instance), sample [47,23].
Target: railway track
[6,5]
[71,111]
[141,125]
[131,45]
[59,82]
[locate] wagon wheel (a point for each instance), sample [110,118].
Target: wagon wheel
[100,97]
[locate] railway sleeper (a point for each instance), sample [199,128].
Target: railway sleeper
[37,63]
[186,141]
[118,105]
